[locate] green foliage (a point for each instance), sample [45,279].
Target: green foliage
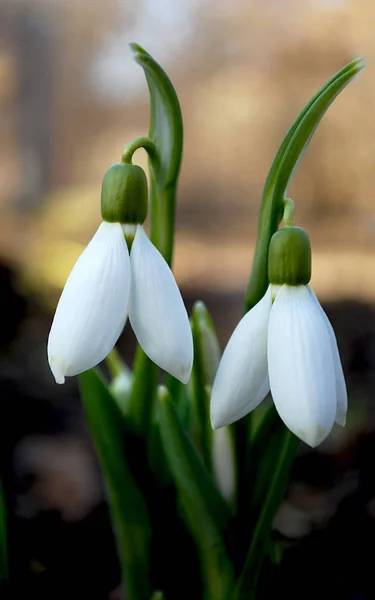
[205,511]
[166,131]
[127,505]
[172,421]
[282,170]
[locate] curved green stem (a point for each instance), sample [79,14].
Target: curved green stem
[142,142]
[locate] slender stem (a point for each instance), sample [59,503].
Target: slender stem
[247,582]
[162,217]
[288,212]
[126,502]
[114,363]
[200,400]
[142,142]
[142,394]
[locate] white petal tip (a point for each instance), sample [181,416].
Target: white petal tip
[313,437]
[59,378]
[177,369]
[216,423]
[220,418]
[56,372]
[341,420]
[185,372]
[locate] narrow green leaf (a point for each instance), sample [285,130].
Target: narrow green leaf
[3,538]
[282,169]
[275,167]
[207,343]
[206,513]
[265,445]
[272,492]
[142,393]
[126,503]
[166,130]
[181,399]
[309,123]
[206,361]
[186,465]
[155,451]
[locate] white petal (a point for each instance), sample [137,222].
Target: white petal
[341,393]
[241,382]
[91,312]
[300,365]
[157,312]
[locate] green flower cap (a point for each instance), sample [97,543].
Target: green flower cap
[124,194]
[289,258]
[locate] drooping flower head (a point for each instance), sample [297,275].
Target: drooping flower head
[120,274]
[285,345]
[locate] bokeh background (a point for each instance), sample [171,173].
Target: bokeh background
[70,99]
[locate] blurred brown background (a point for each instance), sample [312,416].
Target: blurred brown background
[71,97]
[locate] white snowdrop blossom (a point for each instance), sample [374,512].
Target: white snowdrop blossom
[106,286]
[286,346]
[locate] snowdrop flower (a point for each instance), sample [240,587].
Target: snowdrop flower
[108,283]
[285,345]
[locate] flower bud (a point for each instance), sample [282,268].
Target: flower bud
[289,258]
[124,194]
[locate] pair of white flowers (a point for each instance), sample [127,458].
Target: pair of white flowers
[285,344]
[106,285]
